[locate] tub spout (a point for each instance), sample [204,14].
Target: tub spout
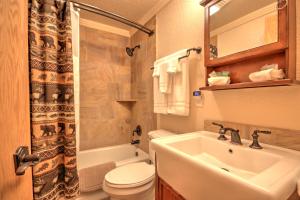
[135,142]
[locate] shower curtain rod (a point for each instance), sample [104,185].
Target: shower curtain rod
[112,16]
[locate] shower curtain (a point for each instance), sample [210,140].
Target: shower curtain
[52,100]
[75,21]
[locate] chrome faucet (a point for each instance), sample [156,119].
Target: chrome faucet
[235,136]
[255,144]
[221,131]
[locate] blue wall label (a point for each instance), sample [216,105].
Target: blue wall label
[197,93]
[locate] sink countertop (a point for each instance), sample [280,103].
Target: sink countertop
[272,172]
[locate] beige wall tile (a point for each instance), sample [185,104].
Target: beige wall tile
[141,80]
[104,76]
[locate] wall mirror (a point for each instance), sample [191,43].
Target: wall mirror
[243,36]
[240,25]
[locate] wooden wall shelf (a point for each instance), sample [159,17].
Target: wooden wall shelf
[284,82]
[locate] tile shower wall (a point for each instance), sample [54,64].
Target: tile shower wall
[104,77]
[141,79]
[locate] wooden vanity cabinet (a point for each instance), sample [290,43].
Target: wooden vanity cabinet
[165,192]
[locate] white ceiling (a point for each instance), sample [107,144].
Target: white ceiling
[131,9]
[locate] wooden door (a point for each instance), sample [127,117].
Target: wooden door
[14,97]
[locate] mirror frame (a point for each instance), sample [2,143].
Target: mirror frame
[280,46]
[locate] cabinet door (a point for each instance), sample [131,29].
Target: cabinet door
[166,192]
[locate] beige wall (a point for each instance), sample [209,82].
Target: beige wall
[142,87]
[181,25]
[104,77]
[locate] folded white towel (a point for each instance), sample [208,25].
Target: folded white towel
[91,178]
[166,70]
[277,74]
[165,83]
[179,99]
[219,80]
[267,75]
[173,66]
[156,70]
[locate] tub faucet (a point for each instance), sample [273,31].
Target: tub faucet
[135,142]
[235,136]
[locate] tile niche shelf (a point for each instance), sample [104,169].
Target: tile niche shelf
[126,100]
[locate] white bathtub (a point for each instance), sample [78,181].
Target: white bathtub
[120,154]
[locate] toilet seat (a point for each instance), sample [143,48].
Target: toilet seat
[130,175]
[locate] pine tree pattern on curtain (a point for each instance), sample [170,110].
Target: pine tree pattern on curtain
[52,100]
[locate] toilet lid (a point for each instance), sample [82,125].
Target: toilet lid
[130,175]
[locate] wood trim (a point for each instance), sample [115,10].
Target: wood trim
[205,2]
[247,55]
[165,191]
[291,53]
[284,82]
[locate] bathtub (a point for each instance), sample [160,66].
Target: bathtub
[120,154]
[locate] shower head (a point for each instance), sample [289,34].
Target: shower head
[130,51]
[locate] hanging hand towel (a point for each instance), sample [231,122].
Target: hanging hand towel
[173,62]
[179,99]
[160,99]
[165,83]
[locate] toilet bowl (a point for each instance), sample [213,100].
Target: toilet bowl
[134,181]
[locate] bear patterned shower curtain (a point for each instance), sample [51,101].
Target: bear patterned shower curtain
[52,100]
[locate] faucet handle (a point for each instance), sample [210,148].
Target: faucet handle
[255,144]
[222,131]
[217,124]
[259,131]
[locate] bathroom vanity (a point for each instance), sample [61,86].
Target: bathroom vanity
[165,192]
[197,166]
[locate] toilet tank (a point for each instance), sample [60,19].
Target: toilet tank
[156,134]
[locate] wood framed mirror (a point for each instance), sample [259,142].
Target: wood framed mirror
[243,36]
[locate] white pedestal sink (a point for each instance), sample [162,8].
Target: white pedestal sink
[199,166]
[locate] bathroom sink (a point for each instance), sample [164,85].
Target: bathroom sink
[199,166]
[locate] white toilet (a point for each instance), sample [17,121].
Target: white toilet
[134,181]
